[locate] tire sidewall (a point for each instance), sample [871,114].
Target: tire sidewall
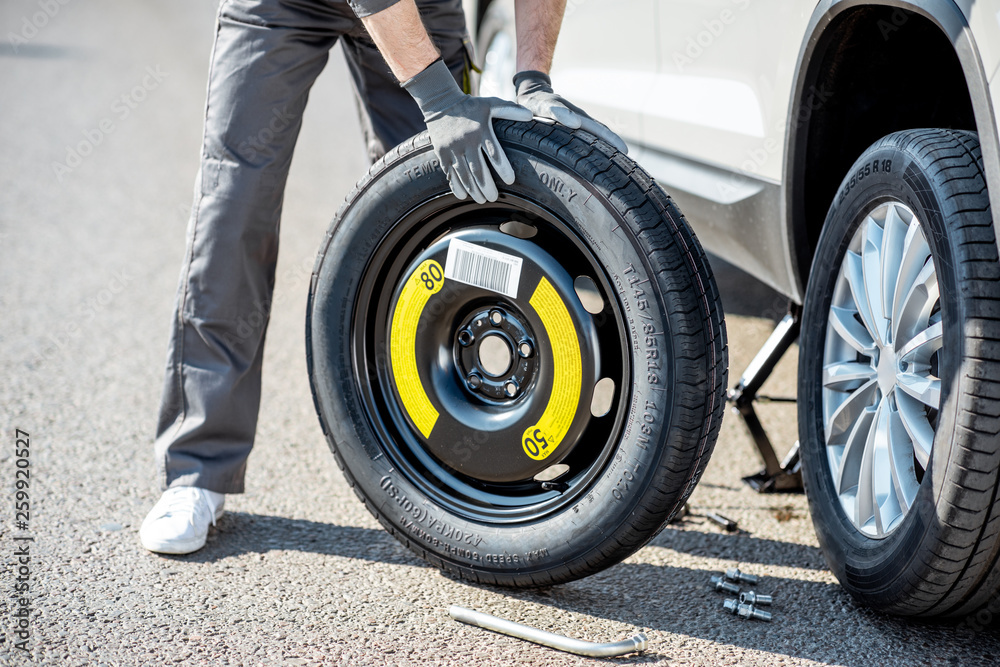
[448,539]
[875,570]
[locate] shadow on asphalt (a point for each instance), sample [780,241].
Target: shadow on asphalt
[37,51]
[741,547]
[659,597]
[242,533]
[742,294]
[678,600]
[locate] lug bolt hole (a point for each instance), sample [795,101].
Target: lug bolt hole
[524,349]
[466,338]
[496,317]
[510,389]
[474,381]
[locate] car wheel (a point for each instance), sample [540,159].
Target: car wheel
[497,41]
[522,392]
[899,378]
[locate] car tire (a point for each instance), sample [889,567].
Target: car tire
[899,378]
[466,489]
[496,40]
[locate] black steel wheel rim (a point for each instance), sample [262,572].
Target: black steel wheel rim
[468,463]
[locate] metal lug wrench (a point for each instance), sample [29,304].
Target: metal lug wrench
[636,644]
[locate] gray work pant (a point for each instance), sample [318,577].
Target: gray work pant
[267,55]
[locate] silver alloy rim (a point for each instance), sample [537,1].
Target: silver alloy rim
[881,390]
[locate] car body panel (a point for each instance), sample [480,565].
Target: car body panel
[984,20]
[713,98]
[726,69]
[721,100]
[609,76]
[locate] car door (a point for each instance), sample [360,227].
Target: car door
[715,119]
[606,59]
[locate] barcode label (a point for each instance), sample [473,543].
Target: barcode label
[481,267]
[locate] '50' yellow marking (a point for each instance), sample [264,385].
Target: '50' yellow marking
[541,439]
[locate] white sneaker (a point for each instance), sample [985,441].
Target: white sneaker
[178,523]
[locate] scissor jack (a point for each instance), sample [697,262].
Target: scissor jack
[776,476]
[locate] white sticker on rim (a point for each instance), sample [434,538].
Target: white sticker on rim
[483,267]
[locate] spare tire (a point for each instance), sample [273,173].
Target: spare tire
[522,392]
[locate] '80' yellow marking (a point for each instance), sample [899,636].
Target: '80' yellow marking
[423,283]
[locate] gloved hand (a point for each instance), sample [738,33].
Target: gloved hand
[534,91]
[461,130]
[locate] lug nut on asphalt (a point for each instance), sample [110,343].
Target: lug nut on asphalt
[746,611]
[733,574]
[723,521]
[720,584]
[751,598]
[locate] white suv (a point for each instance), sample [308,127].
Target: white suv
[845,153]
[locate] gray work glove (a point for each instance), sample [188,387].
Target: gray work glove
[534,91]
[461,130]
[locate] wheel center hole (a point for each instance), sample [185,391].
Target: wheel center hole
[495,355]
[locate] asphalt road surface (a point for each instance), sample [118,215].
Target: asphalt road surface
[101,114]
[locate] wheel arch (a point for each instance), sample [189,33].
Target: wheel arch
[835,86]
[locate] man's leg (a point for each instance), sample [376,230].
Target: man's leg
[266,57]
[388,114]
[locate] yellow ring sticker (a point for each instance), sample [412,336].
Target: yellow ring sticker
[423,283]
[540,440]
